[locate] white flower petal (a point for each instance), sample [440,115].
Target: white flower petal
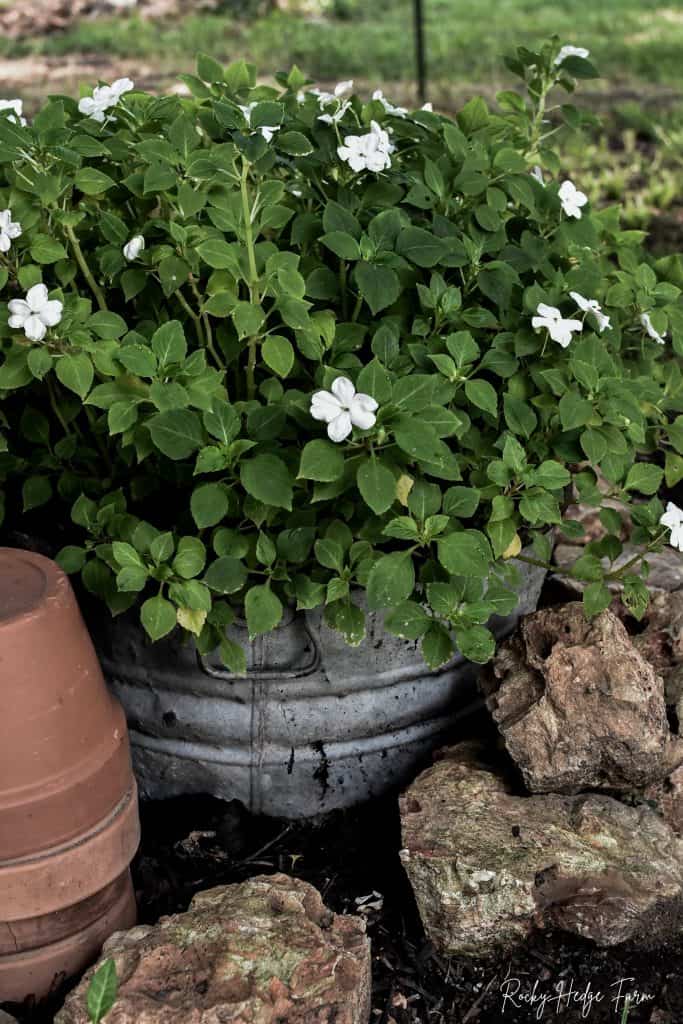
[344,390]
[17,321]
[36,297]
[51,313]
[5,242]
[549,311]
[19,307]
[340,427]
[366,402]
[324,406]
[34,328]
[360,417]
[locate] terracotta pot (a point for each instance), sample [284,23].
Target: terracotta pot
[68,803]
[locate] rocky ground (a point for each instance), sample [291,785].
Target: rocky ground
[542,852]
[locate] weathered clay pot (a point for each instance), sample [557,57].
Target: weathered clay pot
[68,803]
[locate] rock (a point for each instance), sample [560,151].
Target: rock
[6,1019]
[577,705]
[265,951]
[661,642]
[487,865]
[667,798]
[666,567]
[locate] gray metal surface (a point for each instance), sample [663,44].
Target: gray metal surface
[315,725]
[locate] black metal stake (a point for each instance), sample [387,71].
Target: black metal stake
[420,59]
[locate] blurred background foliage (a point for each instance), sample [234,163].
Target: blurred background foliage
[634,157]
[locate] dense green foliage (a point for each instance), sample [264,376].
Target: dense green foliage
[161,397]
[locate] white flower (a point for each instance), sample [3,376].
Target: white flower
[338,114]
[572,200]
[35,313]
[267,131]
[571,51]
[592,306]
[673,519]
[9,230]
[17,108]
[325,98]
[559,329]
[134,247]
[342,409]
[654,334]
[388,106]
[301,96]
[367,152]
[428,106]
[103,98]
[537,173]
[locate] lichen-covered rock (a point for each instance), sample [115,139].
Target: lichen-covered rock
[487,865]
[266,951]
[578,706]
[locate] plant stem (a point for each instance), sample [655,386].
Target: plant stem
[85,269]
[253,277]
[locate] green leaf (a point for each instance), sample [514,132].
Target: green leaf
[92,182]
[477,644]
[226,575]
[75,372]
[37,491]
[377,485]
[437,646]
[379,286]
[417,438]
[107,325]
[45,249]
[407,620]
[102,991]
[267,479]
[190,557]
[71,558]
[342,245]
[263,610]
[322,461]
[177,433]
[391,581]
[420,247]
[220,255]
[209,504]
[158,616]
[461,501]
[644,477]
[278,354]
[596,598]
[467,553]
[483,395]
[168,343]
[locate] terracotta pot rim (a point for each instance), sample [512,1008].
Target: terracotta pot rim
[52,580]
[54,879]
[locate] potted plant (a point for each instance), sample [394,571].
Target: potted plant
[284,365]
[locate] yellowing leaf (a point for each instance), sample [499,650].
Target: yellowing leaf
[514,548]
[404,485]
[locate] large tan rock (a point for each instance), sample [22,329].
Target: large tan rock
[578,706]
[488,865]
[266,951]
[661,642]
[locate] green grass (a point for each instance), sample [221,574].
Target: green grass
[631,40]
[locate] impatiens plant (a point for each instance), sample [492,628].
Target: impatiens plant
[266,345]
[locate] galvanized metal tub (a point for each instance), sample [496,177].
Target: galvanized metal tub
[315,725]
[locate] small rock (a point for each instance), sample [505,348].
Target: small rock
[261,952]
[487,865]
[667,798]
[578,706]
[6,1019]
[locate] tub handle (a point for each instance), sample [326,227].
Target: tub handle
[307,669]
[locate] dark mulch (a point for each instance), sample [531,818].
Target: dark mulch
[193,844]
